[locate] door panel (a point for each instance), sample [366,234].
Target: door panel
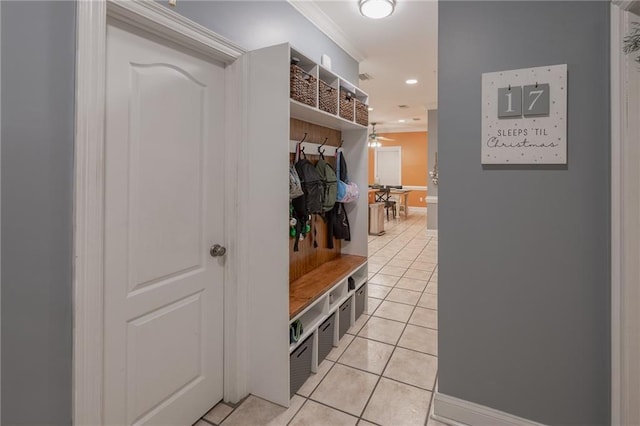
[163,210]
[159,332]
[165,177]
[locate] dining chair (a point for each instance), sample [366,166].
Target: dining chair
[384,196]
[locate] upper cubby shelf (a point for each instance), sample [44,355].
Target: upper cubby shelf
[322,97]
[316,116]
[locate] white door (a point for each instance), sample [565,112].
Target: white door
[388,165]
[163,210]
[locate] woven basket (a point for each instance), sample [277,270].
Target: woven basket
[328,98]
[346,105]
[303,86]
[362,113]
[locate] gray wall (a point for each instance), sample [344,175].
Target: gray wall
[38,54]
[256,24]
[524,252]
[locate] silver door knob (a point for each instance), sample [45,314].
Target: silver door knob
[217,250]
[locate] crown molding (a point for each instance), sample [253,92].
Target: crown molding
[310,10]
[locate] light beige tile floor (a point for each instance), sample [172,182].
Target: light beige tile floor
[384,371]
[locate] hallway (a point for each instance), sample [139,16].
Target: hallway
[385,369]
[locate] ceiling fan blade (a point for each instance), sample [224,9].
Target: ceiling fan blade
[382,138]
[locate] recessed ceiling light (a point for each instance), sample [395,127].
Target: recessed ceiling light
[370,109]
[401,121]
[377,9]
[411,81]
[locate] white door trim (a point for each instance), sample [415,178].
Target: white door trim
[88,283]
[625,239]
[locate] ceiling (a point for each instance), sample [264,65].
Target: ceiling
[391,50]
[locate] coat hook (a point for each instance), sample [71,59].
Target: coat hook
[536,84]
[304,137]
[509,87]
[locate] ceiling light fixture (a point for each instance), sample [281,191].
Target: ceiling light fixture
[401,121]
[377,9]
[370,109]
[411,81]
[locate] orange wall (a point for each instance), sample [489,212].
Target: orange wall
[414,162]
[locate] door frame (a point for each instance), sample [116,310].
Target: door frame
[89,179]
[625,239]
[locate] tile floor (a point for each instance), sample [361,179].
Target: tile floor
[385,369]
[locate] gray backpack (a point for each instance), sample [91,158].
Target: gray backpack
[295,187]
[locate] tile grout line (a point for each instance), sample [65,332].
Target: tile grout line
[391,378]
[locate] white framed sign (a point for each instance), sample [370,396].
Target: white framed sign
[524,116]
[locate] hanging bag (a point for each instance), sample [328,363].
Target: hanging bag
[310,202]
[329,183]
[347,191]
[311,184]
[295,187]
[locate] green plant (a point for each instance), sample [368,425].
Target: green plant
[632,41]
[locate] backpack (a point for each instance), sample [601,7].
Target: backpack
[338,225]
[311,201]
[347,191]
[329,184]
[295,188]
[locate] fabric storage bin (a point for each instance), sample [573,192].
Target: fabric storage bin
[325,337]
[360,296]
[362,113]
[303,86]
[300,365]
[328,98]
[346,105]
[345,317]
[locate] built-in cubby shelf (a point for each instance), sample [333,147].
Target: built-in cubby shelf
[304,291]
[316,116]
[321,292]
[312,284]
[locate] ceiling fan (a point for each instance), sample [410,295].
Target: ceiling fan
[374,138]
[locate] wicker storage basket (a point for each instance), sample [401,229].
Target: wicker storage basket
[328,98]
[303,86]
[346,105]
[362,113]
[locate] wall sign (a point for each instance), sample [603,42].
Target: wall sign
[524,116]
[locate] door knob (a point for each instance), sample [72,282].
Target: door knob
[217,250]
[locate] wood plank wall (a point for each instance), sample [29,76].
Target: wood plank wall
[308,258]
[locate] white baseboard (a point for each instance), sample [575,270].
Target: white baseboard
[454,411]
[432,233]
[413,209]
